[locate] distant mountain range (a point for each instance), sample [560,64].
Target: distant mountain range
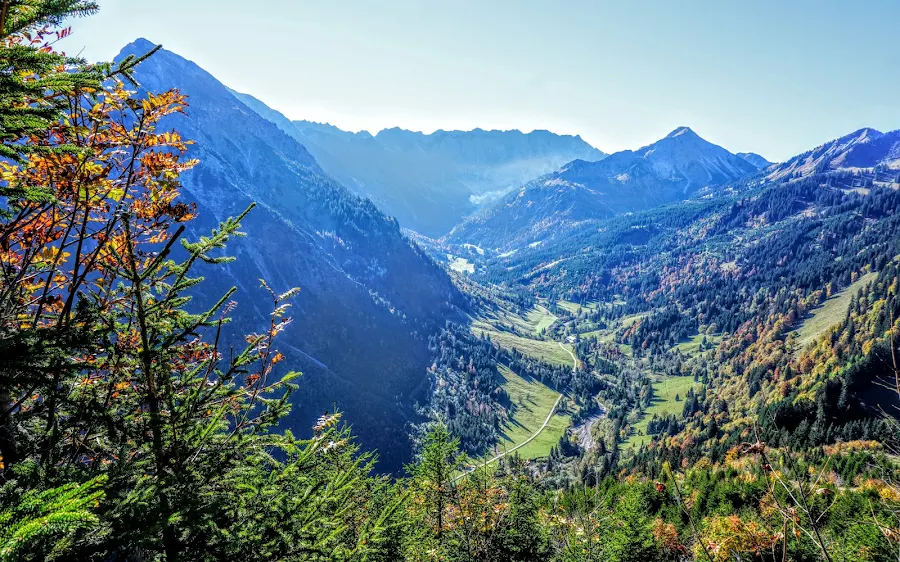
[754,159]
[369,298]
[430,182]
[680,166]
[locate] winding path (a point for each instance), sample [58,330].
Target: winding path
[572,355]
[536,433]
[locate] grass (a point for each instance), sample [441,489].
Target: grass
[462,265]
[540,446]
[505,328]
[626,321]
[664,392]
[548,351]
[572,307]
[831,312]
[533,401]
[692,345]
[603,336]
[541,318]
[533,322]
[608,335]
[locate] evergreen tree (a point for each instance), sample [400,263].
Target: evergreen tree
[433,475]
[37,87]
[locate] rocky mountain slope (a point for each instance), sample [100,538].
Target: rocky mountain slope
[369,298]
[754,159]
[859,151]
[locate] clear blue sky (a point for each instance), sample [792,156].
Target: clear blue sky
[774,77]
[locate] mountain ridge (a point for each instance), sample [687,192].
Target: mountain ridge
[430,181]
[679,166]
[369,297]
[863,148]
[755,159]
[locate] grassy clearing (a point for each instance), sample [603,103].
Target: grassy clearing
[533,322]
[830,313]
[533,402]
[541,318]
[664,391]
[608,334]
[572,307]
[626,321]
[692,346]
[540,445]
[603,336]
[548,351]
[504,327]
[462,265]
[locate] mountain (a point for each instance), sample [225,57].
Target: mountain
[754,159]
[740,296]
[778,298]
[680,166]
[429,182]
[369,298]
[865,148]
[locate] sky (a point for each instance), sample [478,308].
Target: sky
[773,77]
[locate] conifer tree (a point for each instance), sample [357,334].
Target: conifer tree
[34,80]
[433,474]
[37,87]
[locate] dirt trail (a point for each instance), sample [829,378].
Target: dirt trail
[536,433]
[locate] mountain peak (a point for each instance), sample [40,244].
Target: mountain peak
[682,131]
[142,44]
[863,148]
[754,158]
[866,134]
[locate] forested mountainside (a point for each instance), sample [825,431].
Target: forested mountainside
[747,215]
[737,294]
[369,298]
[429,182]
[680,166]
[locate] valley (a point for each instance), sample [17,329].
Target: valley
[229,331]
[512,331]
[661,341]
[539,416]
